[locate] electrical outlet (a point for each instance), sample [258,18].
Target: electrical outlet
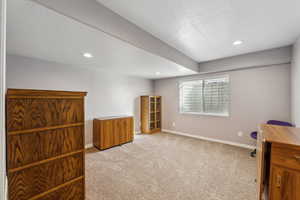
[173,124]
[240,133]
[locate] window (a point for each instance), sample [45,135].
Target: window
[205,96]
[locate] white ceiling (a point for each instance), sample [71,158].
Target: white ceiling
[35,31]
[206,29]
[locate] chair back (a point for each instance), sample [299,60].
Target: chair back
[279,123]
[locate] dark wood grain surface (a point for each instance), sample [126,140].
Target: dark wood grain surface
[45,144]
[112,132]
[26,183]
[73,191]
[27,113]
[29,92]
[27,148]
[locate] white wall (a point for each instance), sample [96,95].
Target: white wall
[108,93]
[295,73]
[257,95]
[3,187]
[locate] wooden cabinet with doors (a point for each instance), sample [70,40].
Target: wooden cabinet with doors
[279,163]
[151,114]
[284,183]
[285,172]
[45,145]
[112,131]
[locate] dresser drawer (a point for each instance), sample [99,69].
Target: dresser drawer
[286,156]
[44,177]
[32,113]
[24,149]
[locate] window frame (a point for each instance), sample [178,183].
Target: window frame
[228,114]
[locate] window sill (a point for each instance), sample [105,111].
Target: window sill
[205,114]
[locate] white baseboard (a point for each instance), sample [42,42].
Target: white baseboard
[87,146]
[210,139]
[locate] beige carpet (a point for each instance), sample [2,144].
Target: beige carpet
[169,167]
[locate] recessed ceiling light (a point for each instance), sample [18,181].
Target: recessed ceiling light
[237,42]
[88,55]
[157,73]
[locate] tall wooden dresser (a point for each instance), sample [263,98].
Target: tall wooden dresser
[150,114]
[278,163]
[45,145]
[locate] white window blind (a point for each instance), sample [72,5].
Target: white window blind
[205,96]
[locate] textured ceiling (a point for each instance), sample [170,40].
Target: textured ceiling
[35,31]
[206,29]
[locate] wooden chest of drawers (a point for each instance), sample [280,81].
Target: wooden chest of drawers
[112,131]
[45,145]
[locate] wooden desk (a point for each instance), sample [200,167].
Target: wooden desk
[278,157]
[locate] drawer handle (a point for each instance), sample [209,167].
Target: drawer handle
[278,181]
[297,158]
